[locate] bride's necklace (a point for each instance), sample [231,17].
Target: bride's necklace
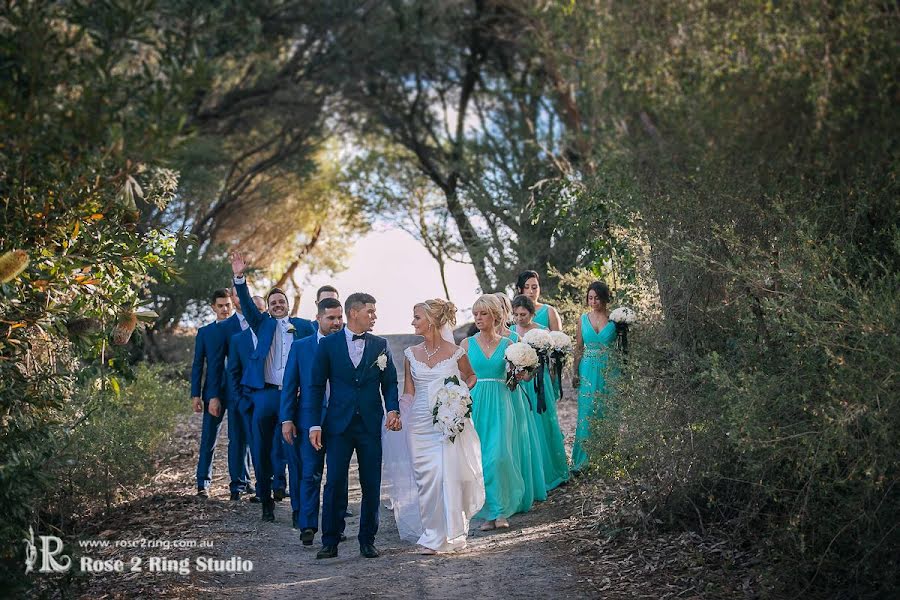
[430,355]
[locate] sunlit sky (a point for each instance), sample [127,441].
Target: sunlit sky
[395,268]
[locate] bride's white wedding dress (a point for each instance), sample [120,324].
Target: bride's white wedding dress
[434,486]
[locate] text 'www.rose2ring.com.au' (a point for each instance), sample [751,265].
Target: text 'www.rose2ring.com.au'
[45,554]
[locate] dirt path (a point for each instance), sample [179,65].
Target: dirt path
[531,559]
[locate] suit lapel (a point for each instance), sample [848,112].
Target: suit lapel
[265,337]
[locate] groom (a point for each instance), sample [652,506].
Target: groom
[356,367]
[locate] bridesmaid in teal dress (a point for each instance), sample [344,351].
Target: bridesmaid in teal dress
[593,341]
[552,444]
[493,416]
[527,450]
[529,284]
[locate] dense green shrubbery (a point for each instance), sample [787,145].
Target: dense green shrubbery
[785,426]
[114,446]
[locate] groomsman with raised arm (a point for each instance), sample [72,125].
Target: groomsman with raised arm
[240,407]
[305,463]
[263,373]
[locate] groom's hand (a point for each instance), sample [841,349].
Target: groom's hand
[393,421]
[315,438]
[288,432]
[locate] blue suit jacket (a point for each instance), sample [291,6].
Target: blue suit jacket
[240,346]
[211,347]
[353,390]
[263,324]
[296,393]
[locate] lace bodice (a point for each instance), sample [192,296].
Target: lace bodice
[423,375]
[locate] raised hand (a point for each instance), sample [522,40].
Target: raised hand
[237,263]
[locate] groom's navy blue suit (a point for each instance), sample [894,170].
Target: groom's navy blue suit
[352,420]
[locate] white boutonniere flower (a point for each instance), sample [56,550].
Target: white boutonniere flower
[381,361]
[290,328]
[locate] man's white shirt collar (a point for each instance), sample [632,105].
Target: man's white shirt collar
[349,333]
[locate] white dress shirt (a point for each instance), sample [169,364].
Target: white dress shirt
[243,321]
[354,347]
[277,358]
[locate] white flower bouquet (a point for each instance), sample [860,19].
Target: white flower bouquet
[560,347]
[520,357]
[452,408]
[539,339]
[622,317]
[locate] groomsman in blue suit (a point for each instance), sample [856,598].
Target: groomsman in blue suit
[263,374]
[240,407]
[210,395]
[326,291]
[356,369]
[305,463]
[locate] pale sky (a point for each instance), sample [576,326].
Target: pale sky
[395,268]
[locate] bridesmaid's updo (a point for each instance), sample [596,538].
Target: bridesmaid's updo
[439,312]
[507,309]
[492,304]
[523,278]
[523,301]
[602,290]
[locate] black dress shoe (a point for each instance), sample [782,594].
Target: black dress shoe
[236,496]
[202,493]
[307,536]
[327,552]
[255,499]
[268,511]
[369,551]
[279,495]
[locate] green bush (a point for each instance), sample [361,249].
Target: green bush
[785,427]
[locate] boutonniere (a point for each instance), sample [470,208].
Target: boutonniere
[291,329]
[381,361]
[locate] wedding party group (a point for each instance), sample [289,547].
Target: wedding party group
[473,434]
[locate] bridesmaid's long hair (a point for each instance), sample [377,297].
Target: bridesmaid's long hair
[507,307]
[602,290]
[523,278]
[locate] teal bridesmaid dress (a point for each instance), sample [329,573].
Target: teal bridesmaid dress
[542,316]
[592,390]
[527,447]
[552,444]
[494,418]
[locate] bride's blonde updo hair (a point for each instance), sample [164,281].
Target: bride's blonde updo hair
[439,312]
[492,304]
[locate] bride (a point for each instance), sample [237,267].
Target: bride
[434,486]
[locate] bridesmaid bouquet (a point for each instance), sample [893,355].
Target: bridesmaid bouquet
[622,317]
[560,348]
[520,357]
[540,340]
[452,408]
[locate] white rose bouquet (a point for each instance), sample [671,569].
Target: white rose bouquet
[452,408]
[560,348]
[622,317]
[520,357]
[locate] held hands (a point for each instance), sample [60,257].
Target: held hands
[215,407]
[393,421]
[289,432]
[197,404]
[237,264]
[315,438]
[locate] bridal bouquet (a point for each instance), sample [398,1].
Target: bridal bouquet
[519,357]
[560,348]
[452,408]
[622,317]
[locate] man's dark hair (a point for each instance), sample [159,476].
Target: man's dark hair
[356,300]
[220,293]
[276,291]
[326,304]
[325,288]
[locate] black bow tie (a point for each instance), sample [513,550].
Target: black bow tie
[359,337]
